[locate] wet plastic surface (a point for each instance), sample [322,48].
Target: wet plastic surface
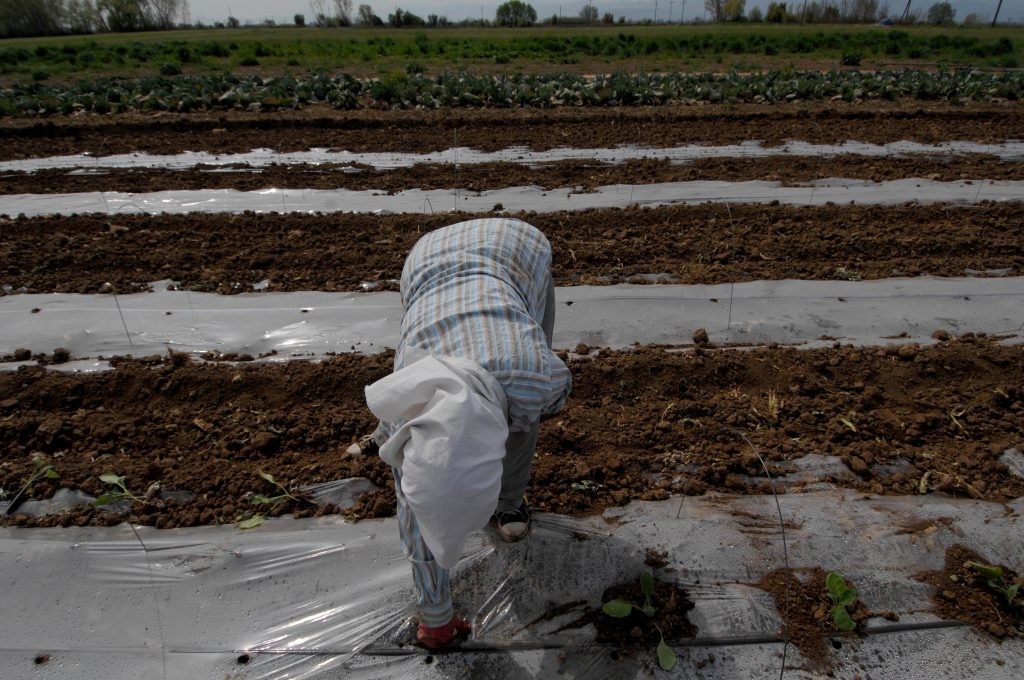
[301,598]
[310,324]
[1008,151]
[514,199]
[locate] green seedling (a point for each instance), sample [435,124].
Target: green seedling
[41,470]
[620,609]
[842,596]
[996,580]
[259,499]
[118,493]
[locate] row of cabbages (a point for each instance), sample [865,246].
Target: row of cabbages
[401,90]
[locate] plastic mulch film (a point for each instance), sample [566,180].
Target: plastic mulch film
[310,324]
[326,599]
[258,158]
[513,199]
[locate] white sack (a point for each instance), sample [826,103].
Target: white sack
[450,445]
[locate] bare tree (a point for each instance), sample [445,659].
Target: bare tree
[343,11]
[123,16]
[82,16]
[941,14]
[860,11]
[31,17]
[318,8]
[366,17]
[716,8]
[162,13]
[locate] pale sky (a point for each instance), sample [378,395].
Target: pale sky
[283,11]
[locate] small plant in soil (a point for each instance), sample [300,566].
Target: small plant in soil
[973,589]
[815,605]
[620,609]
[996,580]
[273,501]
[843,597]
[118,493]
[41,469]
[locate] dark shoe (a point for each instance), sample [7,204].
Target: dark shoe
[514,525]
[366,446]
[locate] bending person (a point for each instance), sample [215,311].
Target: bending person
[474,373]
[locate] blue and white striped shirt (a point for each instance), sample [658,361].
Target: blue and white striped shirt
[478,289]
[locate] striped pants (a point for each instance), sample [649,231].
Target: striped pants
[433,588]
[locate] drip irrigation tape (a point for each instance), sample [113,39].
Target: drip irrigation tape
[481,647]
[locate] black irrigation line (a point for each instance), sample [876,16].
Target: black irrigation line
[484,647]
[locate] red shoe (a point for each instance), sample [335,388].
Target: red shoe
[443,636]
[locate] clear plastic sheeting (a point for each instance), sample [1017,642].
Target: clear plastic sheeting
[311,324]
[513,199]
[258,158]
[322,599]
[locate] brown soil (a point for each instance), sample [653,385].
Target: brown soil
[485,176]
[690,244]
[806,611]
[638,629]
[639,425]
[962,594]
[490,130]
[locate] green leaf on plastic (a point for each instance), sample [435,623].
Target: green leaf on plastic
[666,657]
[834,582]
[647,583]
[105,499]
[991,573]
[618,609]
[838,591]
[252,522]
[841,618]
[111,478]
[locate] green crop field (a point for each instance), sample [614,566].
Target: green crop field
[374,52]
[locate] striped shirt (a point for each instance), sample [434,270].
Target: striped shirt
[478,289]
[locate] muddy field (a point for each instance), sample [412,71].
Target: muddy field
[491,130]
[640,424]
[191,437]
[687,244]
[690,244]
[582,176]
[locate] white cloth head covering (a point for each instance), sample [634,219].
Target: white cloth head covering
[449,446]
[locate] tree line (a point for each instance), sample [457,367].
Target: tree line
[24,18]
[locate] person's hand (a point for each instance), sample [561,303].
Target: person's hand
[443,636]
